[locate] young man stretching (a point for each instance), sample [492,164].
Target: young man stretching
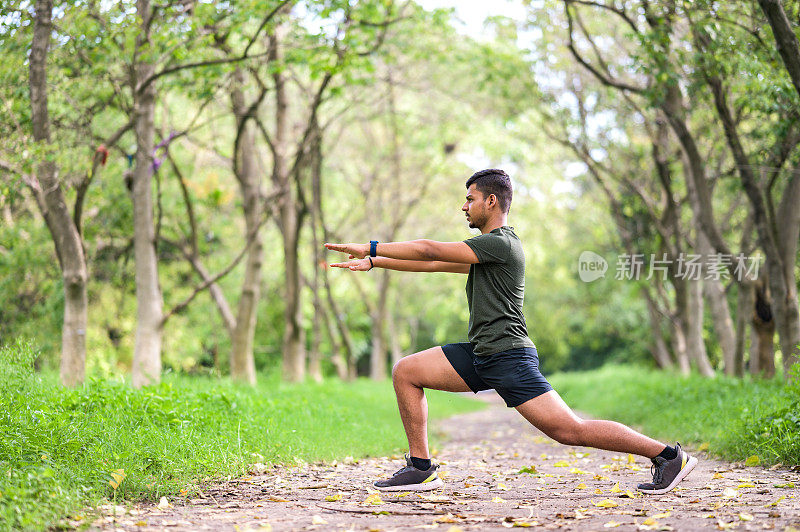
[499,354]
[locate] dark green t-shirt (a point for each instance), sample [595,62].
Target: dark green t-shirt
[495,290]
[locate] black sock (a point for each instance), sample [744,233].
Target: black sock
[669,453]
[423,464]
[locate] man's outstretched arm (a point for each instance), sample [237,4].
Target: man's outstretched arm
[362,265]
[417,250]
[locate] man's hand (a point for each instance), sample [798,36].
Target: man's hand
[356,251]
[360,265]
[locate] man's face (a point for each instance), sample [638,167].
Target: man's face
[475,208]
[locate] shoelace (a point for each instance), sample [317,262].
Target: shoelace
[403,470]
[658,472]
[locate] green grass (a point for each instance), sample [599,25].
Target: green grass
[737,418]
[59,447]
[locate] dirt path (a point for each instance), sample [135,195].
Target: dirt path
[565,487]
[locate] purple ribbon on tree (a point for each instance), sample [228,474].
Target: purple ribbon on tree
[163,145]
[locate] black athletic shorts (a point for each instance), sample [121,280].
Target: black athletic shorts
[514,374]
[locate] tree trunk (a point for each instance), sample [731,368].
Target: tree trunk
[694,340]
[149,311]
[394,340]
[785,38]
[781,276]
[294,355]
[764,327]
[720,313]
[659,348]
[680,326]
[744,311]
[247,173]
[788,229]
[378,356]
[52,203]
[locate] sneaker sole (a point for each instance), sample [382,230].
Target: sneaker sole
[680,476]
[426,486]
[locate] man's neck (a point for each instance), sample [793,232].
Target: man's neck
[494,224]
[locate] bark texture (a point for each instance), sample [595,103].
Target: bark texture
[149,302]
[249,178]
[52,203]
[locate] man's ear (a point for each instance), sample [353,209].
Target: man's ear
[491,200]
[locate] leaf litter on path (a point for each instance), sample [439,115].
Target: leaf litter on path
[517,479]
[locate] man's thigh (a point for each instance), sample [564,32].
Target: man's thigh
[430,369]
[548,413]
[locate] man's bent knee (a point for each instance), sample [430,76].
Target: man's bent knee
[403,370]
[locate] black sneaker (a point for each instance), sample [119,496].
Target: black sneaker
[410,478]
[667,473]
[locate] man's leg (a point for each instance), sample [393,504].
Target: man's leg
[550,414]
[426,369]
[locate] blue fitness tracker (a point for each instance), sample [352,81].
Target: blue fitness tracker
[373,248]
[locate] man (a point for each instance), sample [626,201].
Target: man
[499,354]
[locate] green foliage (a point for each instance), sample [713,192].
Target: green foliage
[58,447]
[738,418]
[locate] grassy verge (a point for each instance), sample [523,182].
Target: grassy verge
[738,419]
[58,448]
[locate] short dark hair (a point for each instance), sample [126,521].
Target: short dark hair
[493,181]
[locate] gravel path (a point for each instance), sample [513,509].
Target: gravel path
[499,472]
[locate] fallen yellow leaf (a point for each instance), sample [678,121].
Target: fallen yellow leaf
[775,503]
[717,475]
[612,524]
[650,522]
[616,488]
[117,476]
[498,500]
[318,520]
[598,491]
[561,463]
[744,516]
[631,458]
[374,499]
[278,499]
[502,486]
[703,446]
[600,477]
[629,494]
[581,486]
[752,461]
[662,515]
[605,503]
[334,498]
[576,471]
[729,493]
[449,518]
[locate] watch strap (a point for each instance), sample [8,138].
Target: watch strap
[373,248]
